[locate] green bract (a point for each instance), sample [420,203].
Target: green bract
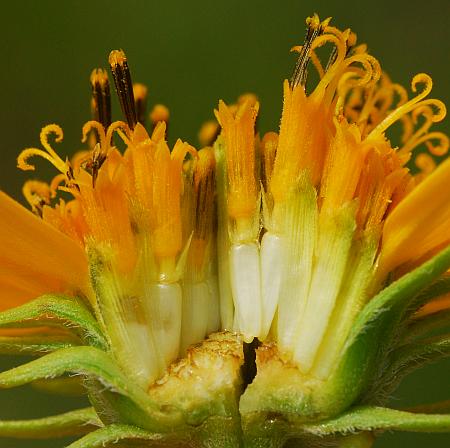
[203,399]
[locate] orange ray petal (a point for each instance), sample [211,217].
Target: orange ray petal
[35,257]
[420,223]
[440,304]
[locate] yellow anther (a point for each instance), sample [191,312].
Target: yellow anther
[208,132]
[314,22]
[99,77]
[140,92]
[117,57]
[249,97]
[159,113]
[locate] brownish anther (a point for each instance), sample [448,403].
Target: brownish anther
[101,97]
[124,85]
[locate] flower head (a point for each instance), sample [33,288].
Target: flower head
[311,249]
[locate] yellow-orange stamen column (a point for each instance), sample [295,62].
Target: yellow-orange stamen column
[242,211]
[155,175]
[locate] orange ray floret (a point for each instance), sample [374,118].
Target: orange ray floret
[442,303]
[36,258]
[420,223]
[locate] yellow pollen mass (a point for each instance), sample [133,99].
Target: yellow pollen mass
[208,132]
[159,113]
[140,92]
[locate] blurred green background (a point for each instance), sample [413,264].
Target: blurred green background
[190,54]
